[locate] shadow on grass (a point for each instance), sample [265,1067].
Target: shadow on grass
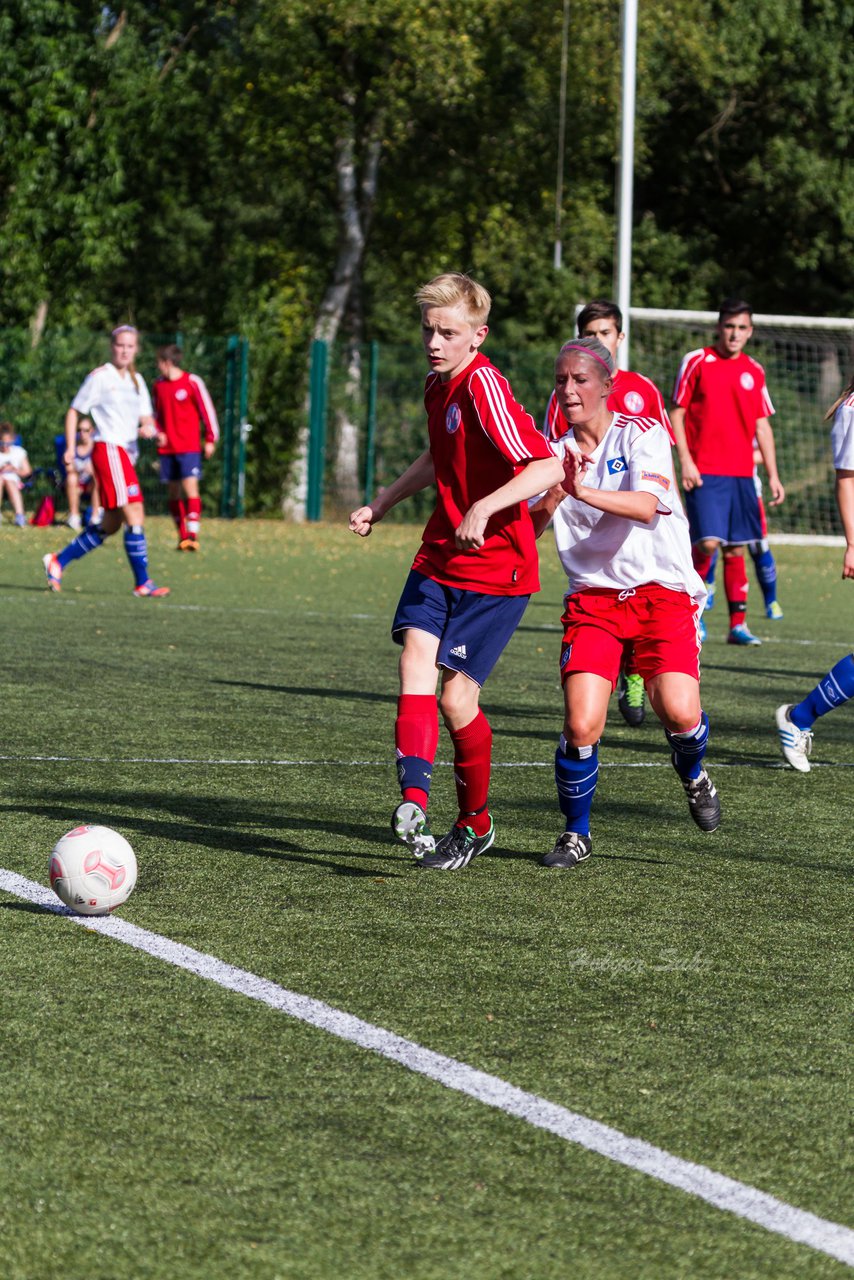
[227,826]
[346,695]
[32,907]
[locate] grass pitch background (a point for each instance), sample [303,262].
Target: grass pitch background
[690,990]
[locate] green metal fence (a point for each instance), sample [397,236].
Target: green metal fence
[38,383]
[805,370]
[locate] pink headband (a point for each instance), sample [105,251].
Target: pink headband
[576,346]
[124,328]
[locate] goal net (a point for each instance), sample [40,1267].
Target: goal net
[807,362]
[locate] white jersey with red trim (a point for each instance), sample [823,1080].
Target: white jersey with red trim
[842,436]
[598,549]
[115,402]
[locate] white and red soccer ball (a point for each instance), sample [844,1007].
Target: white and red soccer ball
[92,870]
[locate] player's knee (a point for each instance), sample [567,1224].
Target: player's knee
[581,729]
[458,702]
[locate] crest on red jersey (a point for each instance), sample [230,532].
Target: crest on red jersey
[453,418]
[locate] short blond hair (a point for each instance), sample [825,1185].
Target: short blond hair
[453,289]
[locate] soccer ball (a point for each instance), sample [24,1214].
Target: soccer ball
[92,870]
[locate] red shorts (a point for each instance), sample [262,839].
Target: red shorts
[117,481]
[661,625]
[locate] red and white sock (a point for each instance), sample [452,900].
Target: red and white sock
[416,737]
[194,516]
[178,512]
[735,586]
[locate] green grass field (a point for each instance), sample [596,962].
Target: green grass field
[689,990]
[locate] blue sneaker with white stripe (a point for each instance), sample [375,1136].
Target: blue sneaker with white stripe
[741,635]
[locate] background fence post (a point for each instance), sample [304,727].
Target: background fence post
[371,434]
[244,428]
[316,430]
[228,424]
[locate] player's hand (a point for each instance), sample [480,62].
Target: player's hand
[848,563]
[68,458]
[362,521]
[148,432]
[209,447]
[778,493]
[162,441]
[575,464]
[470,533]
[691,478]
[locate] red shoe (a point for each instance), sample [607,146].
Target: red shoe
[149,589]
[53,570]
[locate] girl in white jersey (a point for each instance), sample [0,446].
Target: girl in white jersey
[622,538]
[116,398]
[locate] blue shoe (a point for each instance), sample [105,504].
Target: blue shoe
[741,635]
[710,597]
[701,630]
[773,611]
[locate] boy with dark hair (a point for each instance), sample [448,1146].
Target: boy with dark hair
[720,405]
[638,397]
[181,402]
[474,572]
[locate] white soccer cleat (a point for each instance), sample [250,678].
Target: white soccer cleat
[795,743]
[409,824]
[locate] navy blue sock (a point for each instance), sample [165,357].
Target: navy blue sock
[87,541]
[136,551]
[689,748]
[576,771]
[766,569]
[830,692]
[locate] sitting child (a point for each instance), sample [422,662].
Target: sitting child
[14,470]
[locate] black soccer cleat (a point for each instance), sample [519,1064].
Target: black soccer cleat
[570,849]
[703,801]
[456,850]
[631,700]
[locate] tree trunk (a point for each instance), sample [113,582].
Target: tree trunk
[355,205]
[37,323]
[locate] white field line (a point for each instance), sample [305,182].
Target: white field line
[388,764]
[715,1188]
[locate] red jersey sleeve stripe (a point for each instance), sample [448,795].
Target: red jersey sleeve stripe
[498,402]
[205,406]
[683,377]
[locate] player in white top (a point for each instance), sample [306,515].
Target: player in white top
[14,469]
[116,398]
[623,540]
[795,721]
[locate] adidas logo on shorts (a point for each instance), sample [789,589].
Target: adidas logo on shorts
[459,651]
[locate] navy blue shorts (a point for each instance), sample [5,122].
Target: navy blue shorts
[472,629]
[180,466]
[726,508]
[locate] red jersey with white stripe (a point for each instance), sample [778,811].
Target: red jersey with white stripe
[179,407]
[480,437]
[723,397]
[632,395]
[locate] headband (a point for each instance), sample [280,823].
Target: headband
[576,346]
[124,328]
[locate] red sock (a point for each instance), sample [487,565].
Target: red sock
[176,510]
[735,586]
[416,737]
[629,666]
[472,761]
[702,561]
[194,516]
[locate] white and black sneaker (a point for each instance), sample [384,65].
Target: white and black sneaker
[409,823]
[703,801]
[456,850]
[795,743]
[570,849]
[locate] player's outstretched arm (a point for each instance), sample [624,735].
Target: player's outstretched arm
[765,441]
[845,503]
[536,476]
[420,475]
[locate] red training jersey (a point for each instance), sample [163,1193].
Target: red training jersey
[632,395]
[480,437]
[723,397]
[179,406]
